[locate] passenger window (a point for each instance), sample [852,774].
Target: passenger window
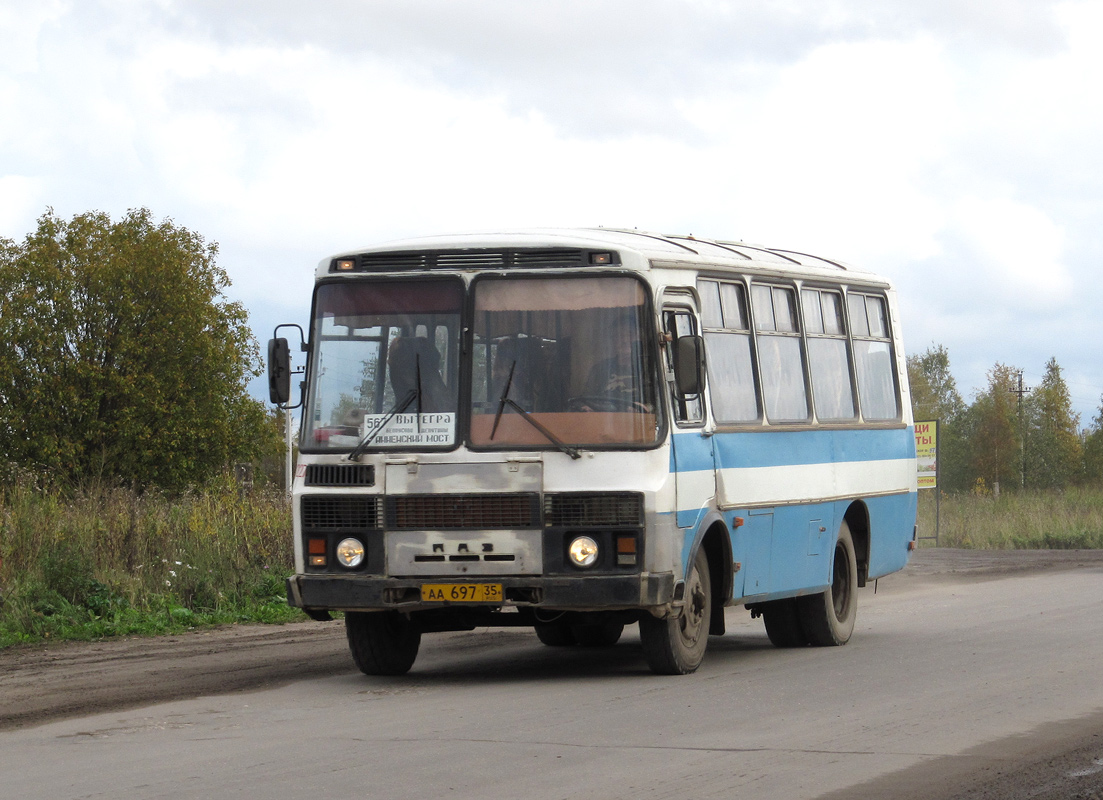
[711,314]
[813,314]
[873,357]
[829,364]
[779,354]
[730,358]
[832,306]
[735,306]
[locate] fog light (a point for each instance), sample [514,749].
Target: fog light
[350,552]
[583,551]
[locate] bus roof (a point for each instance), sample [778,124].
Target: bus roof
[544,247]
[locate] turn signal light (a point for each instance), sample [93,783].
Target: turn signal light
[626,550]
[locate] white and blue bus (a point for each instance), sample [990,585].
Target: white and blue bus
[579,430]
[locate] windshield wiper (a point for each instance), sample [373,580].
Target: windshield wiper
[505,400]
[398,408]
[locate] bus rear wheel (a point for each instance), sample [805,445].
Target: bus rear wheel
[676,646]
[827,619]
[555,634]
[382,642]
[600,634]
[782,618]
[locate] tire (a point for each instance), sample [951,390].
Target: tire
[828,618]
[382,642]
[782,618]
[555,634]
[601,635]
[676,646]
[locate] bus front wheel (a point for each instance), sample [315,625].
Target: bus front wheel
[827,619]
[382,642]
[676,646]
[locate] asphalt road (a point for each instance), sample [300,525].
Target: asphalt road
[969,675]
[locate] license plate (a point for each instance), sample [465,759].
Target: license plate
[461,592]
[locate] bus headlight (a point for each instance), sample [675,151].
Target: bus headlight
[350,553]
[583,551]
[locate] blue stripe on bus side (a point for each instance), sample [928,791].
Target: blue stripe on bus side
[691,451]
[780,448]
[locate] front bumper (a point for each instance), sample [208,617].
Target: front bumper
[567,593]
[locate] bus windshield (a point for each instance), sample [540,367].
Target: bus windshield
[561,361]
[386,365]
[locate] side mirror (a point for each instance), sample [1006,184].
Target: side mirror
[689,365]
[279,371]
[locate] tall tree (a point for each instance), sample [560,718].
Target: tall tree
[1093,449]
[934,391]
[123,361]
[1053,449]
[992,429]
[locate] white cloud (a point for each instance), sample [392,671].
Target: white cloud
[952,146]
[21,25]
[833,154]
[21,199]
[1018,251]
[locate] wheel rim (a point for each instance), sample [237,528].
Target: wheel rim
[693,616]
[840,582]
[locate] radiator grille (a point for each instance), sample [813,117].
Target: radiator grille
[484,511]
[329,513]
[593,510]
[340,475]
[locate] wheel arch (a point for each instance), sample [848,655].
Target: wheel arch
[716,542]
[857,519]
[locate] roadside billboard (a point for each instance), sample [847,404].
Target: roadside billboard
[926,453]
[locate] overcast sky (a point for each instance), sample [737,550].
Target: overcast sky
[954,146]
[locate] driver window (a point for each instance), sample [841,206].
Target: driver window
[688,409]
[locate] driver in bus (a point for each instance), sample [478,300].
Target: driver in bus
[614,383]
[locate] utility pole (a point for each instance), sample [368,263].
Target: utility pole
[1022,431]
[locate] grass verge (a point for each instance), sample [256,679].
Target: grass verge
[1069,520]
[114,563]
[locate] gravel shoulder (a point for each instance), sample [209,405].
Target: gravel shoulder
[46,682]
